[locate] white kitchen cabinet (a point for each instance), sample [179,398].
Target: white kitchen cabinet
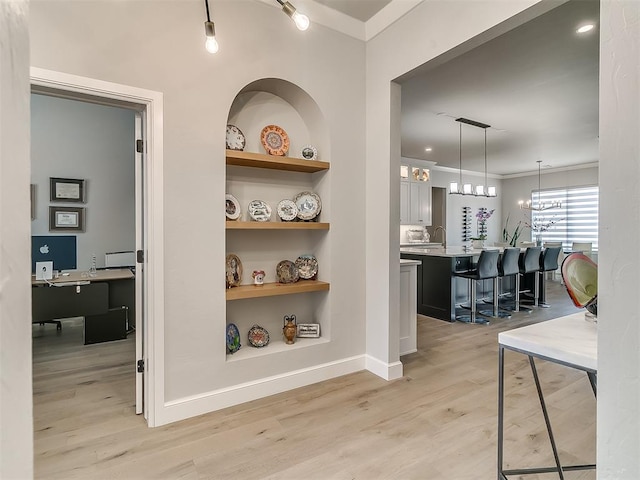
[415,195]
[408,307]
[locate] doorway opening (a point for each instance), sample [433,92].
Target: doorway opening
[142,213]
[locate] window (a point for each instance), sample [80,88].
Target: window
[575,221]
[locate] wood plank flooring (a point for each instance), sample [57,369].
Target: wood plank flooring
[437,422]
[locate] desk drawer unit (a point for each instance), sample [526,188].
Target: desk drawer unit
[50,303]
[106,327]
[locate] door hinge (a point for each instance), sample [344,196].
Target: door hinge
[140,366]
[140,256]
[139,146]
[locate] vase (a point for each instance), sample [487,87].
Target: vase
[478,244]
[538,240]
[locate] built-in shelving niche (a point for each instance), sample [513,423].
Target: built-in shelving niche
[253,175]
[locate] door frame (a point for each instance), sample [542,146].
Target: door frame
[151,104]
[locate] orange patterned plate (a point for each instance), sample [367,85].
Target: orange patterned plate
[274,140]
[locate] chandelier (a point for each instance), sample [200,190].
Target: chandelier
[541,206]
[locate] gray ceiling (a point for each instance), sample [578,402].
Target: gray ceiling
[362,10]
[536,85]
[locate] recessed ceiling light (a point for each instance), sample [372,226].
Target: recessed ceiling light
[586,28]
[428,149]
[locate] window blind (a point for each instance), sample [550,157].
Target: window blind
[575,221]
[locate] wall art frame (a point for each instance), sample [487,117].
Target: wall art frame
[66,219]
[67,189]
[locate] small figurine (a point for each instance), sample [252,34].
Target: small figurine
[290,329]
[258,277]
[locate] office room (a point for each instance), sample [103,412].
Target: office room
[193,375]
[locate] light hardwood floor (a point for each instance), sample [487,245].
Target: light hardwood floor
[437,422]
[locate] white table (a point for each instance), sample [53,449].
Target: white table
[570,341]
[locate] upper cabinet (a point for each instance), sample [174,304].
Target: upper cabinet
[415,195]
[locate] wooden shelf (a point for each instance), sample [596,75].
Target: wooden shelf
[260,160]
[273,289]
[231,225]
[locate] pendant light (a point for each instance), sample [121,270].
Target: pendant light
[541,207]
[211,44]
[301,21]
[484,190]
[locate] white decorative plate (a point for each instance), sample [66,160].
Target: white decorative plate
[274,140]
[287,272]
[259,211]
[309,205]
[232,207]
[287,210]
[235,138]
[309,152]
[307,266]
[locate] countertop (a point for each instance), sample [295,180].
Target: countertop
[441,252]
[420,244]
[406,261]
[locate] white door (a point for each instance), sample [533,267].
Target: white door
[140,314]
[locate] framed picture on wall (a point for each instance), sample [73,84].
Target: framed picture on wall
[67,189]
[66,219]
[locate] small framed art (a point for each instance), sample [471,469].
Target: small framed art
[66,219]
[67,190]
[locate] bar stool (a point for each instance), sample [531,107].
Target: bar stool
[507,267]
[548,263]
[486,268]
[529,262]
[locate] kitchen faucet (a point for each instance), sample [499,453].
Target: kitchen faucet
[444,235]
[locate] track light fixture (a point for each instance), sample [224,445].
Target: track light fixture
[301,21]
[211,44]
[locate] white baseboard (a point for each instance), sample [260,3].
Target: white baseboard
[188,407]
[388,371]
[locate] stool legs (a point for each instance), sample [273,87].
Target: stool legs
[473,317]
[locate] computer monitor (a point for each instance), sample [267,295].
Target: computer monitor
[59,249]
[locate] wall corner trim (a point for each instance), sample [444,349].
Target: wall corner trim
[388,371]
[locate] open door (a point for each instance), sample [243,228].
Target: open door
[140,313]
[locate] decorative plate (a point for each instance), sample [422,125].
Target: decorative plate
[309,152]
[233,338]
[232,207]
[287,272]
[274,140]
[309,205]
[307,266]
[233,270]
[235,138]
[259,211]
[287,210]
[258,336]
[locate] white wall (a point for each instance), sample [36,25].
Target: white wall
[72,139]
[16,401]
[199,89]
[520,188]
[619,257]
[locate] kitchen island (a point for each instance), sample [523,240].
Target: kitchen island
[438,291]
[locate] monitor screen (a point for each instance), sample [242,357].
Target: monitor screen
[59,249]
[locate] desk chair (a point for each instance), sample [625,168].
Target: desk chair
[486,268]
[548,263]
[529,262]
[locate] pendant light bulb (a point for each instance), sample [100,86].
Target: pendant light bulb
[301,21]
[211,43]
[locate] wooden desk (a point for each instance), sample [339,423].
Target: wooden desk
[109,296]
[571,341]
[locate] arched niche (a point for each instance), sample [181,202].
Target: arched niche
[274,101]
